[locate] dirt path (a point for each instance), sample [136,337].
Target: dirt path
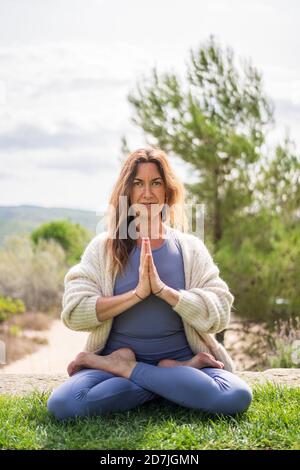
[63,345]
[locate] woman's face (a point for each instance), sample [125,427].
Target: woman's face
[148,187]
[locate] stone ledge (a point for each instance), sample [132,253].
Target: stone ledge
[21,384]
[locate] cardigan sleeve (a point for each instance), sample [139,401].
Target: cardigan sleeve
[82,289]
[206,306]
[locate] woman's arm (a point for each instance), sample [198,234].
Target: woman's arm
[206,306]
[109,307]
[84,305]
[82,289]
[169,295]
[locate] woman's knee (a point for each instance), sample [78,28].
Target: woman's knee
[242,398]
[237,401]
[61,408]
[117,394]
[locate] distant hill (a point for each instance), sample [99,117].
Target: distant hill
[24,219]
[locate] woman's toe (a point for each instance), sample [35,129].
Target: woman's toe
[217,364]
[220,364]
[71,368]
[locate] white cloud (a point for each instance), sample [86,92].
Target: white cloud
[66,70]
[56,189]
[67,135]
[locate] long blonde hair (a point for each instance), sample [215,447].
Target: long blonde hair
[118,249]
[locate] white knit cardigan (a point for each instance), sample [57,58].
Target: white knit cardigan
[204,305]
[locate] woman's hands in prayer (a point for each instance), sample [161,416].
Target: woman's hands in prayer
[143,289]
[149,280]
[156,283]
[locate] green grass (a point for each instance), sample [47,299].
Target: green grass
[271,422]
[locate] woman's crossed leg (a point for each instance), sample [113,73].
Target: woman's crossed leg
[96,391]
[209,389]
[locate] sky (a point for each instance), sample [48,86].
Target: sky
[67,67]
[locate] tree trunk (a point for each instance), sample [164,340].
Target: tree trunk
[217,234]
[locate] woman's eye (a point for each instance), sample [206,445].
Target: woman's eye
[154,182]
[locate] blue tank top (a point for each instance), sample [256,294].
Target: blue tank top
[151,328]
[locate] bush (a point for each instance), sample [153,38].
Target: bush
[262,268]
[33,272]
[71,237]
[285,344]
[10,307]
[247,273]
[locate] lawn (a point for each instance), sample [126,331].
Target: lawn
[271,422]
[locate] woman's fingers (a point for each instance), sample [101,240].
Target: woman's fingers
[143,252]
[146,261]
[145,244]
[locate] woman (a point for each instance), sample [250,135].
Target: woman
[151,297]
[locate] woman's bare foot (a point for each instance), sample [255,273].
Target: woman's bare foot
[77,363]
[199,361]
[120,362]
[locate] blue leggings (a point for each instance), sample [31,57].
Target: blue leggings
[94,392]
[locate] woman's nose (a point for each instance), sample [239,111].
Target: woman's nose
[147,190]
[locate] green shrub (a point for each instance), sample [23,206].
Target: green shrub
[261,264]
[33,273]
[285,338]
[71,237]
[247,273]
[10,307]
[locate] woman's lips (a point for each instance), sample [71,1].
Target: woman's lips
[148,205]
